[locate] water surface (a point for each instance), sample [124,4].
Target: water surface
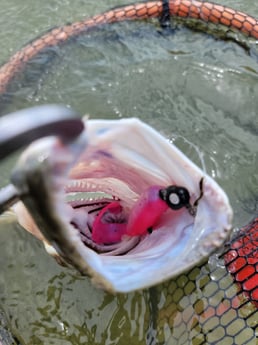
[200,92]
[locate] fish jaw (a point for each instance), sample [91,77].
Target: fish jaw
[124,158]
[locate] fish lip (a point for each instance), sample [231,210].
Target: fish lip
[125,273]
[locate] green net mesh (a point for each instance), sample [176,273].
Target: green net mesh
[207,305]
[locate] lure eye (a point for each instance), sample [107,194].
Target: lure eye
[175,197]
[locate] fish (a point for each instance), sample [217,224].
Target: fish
[206,298]
[183,302]
[189,12]
[64,187]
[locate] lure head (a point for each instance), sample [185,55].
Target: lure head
[175,197]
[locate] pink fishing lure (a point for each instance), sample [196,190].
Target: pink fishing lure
[146,212]
[111,223]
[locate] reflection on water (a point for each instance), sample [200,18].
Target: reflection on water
[185,84]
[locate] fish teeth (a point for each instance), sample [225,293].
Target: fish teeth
[83,185]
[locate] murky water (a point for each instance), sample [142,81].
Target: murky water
[193,88]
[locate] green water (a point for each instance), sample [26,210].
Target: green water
[193,88]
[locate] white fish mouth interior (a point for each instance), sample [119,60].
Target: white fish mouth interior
[122,160]
[115,168]
[87,199]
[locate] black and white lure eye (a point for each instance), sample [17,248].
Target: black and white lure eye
[176,197]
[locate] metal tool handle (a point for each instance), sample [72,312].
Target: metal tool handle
[24,126]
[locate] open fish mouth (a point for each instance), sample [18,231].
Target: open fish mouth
[74,194]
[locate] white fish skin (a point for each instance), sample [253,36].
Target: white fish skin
[123,158]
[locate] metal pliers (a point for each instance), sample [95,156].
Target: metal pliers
[23,127]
